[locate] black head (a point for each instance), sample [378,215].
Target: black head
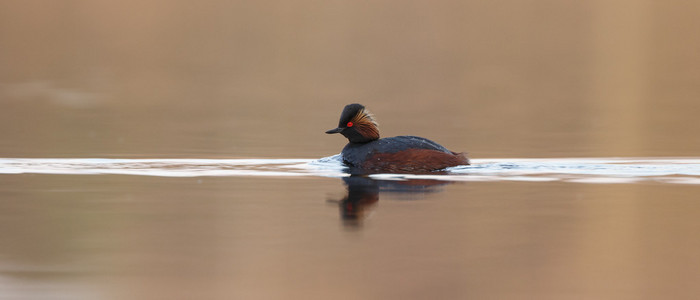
[357,124]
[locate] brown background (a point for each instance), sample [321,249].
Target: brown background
[248,79]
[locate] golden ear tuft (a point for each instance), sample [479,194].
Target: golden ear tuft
[365,124]
[364,116]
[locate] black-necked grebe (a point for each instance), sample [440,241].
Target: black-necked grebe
[403,154]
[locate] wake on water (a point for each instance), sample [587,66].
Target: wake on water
[582,170]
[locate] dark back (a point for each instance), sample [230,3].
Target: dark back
[356,153]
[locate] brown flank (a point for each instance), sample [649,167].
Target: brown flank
[413,161]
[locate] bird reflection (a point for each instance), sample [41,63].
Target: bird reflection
[363,194]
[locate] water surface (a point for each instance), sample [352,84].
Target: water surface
[592,170]
[300,228]
[172,150]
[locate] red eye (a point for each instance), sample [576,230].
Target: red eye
[349,124]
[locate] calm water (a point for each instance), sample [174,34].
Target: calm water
[299,228]
[175,150]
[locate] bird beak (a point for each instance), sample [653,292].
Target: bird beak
[335,130]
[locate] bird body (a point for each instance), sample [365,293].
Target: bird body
[403,154]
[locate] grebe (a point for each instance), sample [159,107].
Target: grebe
[400,154]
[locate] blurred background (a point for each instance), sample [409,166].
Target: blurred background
[266,79]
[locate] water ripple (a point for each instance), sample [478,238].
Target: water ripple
[579,170]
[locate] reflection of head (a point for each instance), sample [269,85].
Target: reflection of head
[363,194]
